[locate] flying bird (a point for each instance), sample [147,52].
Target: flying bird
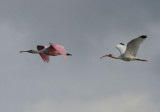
[46,51]
[129,53]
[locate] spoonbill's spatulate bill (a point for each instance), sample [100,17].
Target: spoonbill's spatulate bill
[46,51]
[128,53]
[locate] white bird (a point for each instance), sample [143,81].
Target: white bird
[129,53]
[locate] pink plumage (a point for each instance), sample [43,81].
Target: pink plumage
[44,56]
[57,49]
[52,50]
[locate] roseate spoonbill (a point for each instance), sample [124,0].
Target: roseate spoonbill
[46,51]
[129,53]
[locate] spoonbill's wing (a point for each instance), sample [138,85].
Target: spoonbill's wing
[44,56]
[58,48]
[133,45]
[122,48]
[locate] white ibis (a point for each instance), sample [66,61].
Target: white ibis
[129,53]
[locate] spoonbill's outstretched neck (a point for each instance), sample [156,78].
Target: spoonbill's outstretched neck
[46,51]
[129,53]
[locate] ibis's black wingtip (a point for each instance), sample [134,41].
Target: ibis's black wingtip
[143,36]
[121,43]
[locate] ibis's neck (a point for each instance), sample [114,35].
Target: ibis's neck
[115,57]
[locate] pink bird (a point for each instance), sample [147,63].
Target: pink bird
[46,51]
[129,53]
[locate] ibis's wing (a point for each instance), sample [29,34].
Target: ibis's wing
[58,48]
[44,56]
[122,48]
[133,45]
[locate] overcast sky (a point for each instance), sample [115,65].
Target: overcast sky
[87,29]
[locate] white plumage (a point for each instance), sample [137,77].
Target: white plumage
[129,53]
[121,47]
[133,46]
